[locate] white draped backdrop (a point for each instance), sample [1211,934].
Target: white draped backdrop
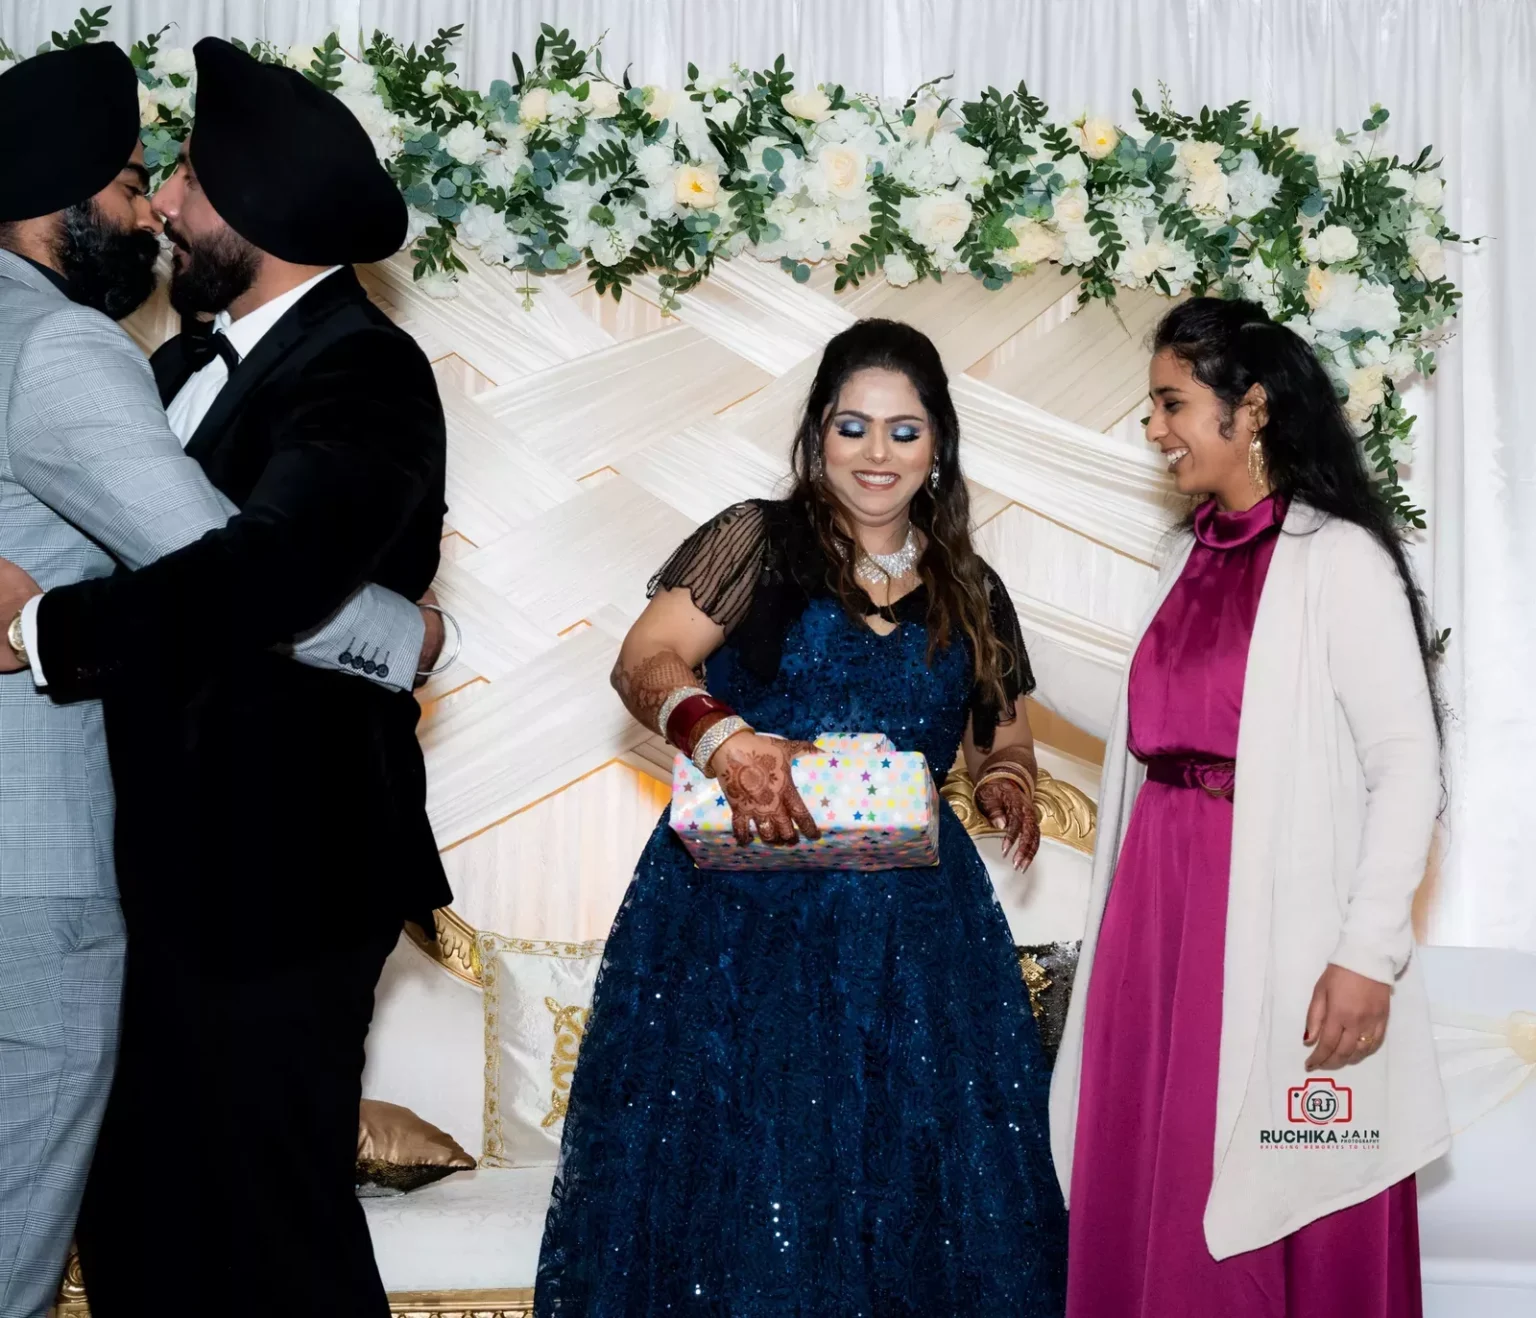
[1459,75]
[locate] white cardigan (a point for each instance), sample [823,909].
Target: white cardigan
[1337,790]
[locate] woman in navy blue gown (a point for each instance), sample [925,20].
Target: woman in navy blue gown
[813,1092]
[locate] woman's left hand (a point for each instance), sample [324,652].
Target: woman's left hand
[1347,1019]
[1012,812]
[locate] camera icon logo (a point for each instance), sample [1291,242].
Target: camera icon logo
[1320,1102]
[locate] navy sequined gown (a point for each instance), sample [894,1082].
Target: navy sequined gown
[812,1093]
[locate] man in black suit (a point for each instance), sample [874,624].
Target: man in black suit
[272,831]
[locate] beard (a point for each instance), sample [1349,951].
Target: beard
[110,269]
[213,272]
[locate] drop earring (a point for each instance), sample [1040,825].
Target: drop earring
[1258,468]
[933,477]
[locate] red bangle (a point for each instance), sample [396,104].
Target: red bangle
[688,713]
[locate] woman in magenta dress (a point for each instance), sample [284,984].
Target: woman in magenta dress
[1244,414]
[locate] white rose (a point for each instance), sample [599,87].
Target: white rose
[655,163]
[534,106]
[1337,243]
[1367,392]
[1145,261]
[968,161]
[1403,180]
[1320,286]
[602,100]
[1199,157]
[1071,207]
[1428,256]
[899,270]
[477,223]
[1206,192]
[658,103]
[563,108]
[300,55]
[433,83]
[813,104]
[358,77]
[609,248]
[1035,243]
[377,121]
[724,112]
[843,169]
[1428,190]
[178,100]
[1097,137]
[466,142]
[1079,244]
[941,222]
[181,61]
[1311,249]
[696,186]
[149,106]
[925,118]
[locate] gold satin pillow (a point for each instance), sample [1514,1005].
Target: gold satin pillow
[397,1151]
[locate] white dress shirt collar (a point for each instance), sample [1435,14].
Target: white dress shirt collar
[248,331]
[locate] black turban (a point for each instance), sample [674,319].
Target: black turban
[69,120]
[287,165]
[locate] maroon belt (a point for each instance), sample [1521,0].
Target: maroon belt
[1213,777]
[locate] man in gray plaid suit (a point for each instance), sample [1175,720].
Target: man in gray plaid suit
[90,476]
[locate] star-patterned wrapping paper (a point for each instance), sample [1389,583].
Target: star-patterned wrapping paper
[877,808]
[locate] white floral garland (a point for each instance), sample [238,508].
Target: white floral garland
[565,166]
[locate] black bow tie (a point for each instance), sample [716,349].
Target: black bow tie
[201,346]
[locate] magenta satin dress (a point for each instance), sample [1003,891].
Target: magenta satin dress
[1146,1124]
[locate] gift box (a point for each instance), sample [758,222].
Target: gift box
[877,808]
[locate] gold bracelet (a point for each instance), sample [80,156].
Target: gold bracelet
[1007,776]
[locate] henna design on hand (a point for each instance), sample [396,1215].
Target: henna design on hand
[1008,802]
[645,685]
[760,789]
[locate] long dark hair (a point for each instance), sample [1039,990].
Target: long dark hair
[1311,452]
[950,567]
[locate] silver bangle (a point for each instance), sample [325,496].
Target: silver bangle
[714,737]
[670,704]
[458,642]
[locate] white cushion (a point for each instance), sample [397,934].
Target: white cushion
[473,1231]
[426,1047]
[538,996]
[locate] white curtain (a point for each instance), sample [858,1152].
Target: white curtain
[1459,75]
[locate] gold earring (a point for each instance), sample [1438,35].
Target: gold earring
[1258,469]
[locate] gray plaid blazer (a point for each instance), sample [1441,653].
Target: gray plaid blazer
[92,476]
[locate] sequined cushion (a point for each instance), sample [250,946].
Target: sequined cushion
[538,996]
[397,1151]
[1048,970]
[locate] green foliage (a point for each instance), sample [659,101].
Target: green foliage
[88,26]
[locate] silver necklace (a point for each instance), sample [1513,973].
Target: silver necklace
[878,568]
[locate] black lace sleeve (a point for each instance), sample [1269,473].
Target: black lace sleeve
[719,564]
[1018,677]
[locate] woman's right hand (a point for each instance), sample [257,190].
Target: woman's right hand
[753,772]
